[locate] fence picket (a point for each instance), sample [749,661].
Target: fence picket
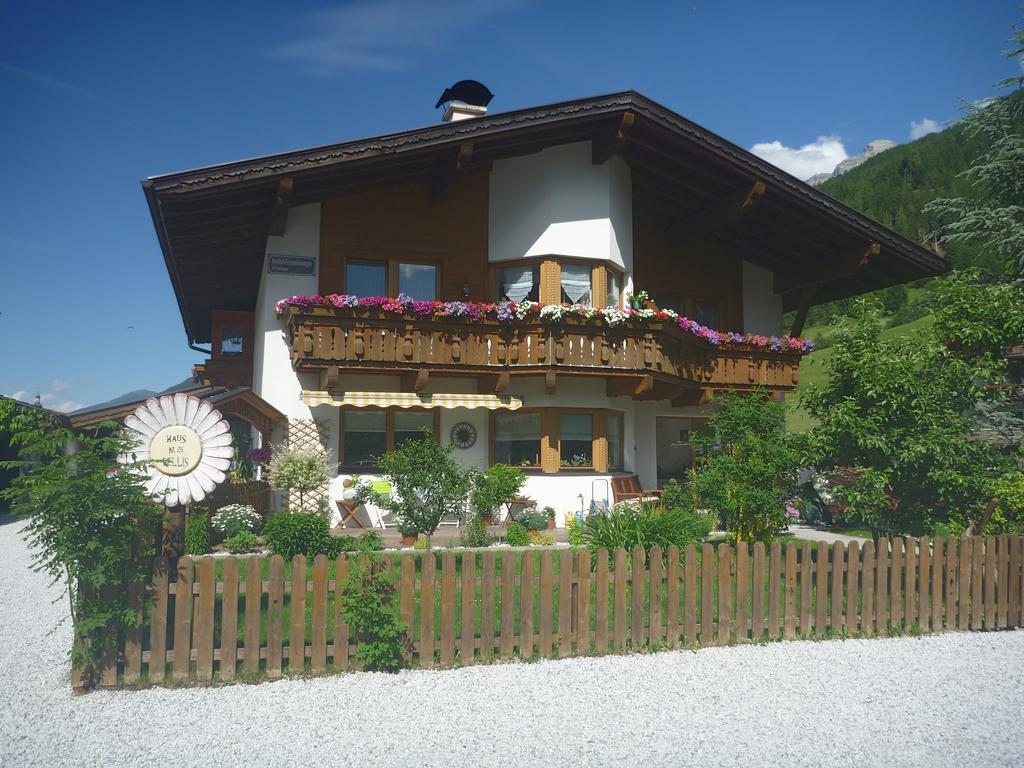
[341,638]
[406,598]
[1003,580]
[789,619]
[924,563]
[619,619]
[977,568]
[724,592]
[487,595]
[774,575]
[182,652]
[158,621]
[545,606]
[229,620]
[508,601]
[601,603]
[852,569]
[707,595]
[837,569]
[867,590]
[882,587]
[896,583]
[467,623]
[204,618]
[938,561]
[742,607]
[583,635]
[253,611]
[318,649]
[297,623]
[910,582]
[990,582]
[820,588]
[1013,620]
[447,648]
[949,611]
[275,616]
[526,606]
[757,598]
[805,589]
[565,583]
[133,635]
[690,595]
[636,589]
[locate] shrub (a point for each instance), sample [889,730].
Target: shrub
[517,535]
[575,530]
[243,541]
[197,535]
[370,541]
[542,538]
[643,525]
[301,533]
[495,487]
[235,518]
[429,484]
[368,607]
[302,470]
[474,533]
[533,519]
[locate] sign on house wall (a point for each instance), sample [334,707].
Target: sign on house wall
[187,444]
[292,265]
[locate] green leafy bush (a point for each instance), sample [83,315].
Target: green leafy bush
[542,538]
[368,607]
[302,470]
[575,530]
[243,541]
[232,519]
[301,533]
[474,533]
[643,525]
[197,535]
[533,519]
[495,487]
[517,535]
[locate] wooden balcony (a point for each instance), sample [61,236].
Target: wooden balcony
[230,372]
[652,361]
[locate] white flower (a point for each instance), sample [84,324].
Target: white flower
[553,312]
[614,316]
[523,309]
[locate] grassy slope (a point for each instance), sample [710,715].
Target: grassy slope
[812,371]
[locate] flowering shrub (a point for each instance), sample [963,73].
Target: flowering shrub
[259,455]
[234,519]
[510,311]
[792,511]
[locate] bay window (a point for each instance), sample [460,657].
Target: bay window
[368,433]
[576,284]
[516,438]
[518,283]
[576,439]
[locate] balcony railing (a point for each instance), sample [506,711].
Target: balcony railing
[365,340]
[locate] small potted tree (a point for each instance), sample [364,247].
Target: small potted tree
[494,488]
[409,532]
[550,512]
[302,470]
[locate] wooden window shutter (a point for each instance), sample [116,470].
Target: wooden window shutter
[550,282]
[549,437]
[599,286]
[600,441]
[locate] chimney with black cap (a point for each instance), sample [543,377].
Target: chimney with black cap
[465,99]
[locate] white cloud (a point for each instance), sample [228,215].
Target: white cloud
[820,156]
[55,400]
[923,128]
[383,36]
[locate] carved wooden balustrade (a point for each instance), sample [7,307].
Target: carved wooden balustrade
[369,341]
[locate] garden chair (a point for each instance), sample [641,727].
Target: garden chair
[628,489]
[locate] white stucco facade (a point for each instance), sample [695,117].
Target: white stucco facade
[558,202]
[762,307]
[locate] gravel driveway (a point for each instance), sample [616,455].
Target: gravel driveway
[952,700]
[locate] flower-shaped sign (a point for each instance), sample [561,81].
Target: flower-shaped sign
[188,444]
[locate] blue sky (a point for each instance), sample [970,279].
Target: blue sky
[98,96]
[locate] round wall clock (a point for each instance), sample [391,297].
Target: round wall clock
[463,435]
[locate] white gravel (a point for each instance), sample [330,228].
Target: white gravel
[954,700]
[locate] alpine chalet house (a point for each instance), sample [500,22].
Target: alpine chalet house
[485,276]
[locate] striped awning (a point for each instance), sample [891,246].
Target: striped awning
[409,400]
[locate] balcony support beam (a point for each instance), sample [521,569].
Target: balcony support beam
[806,297]
[416,382]
[329,377]
[719,214]
[446,176]
[629,386]
[550,383]
[493,383]
[279,213]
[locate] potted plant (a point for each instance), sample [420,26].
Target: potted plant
[409,533]
[550,512]
[494,488]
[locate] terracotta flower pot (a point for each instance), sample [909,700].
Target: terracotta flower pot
[488,519]
[409,539]
[551,523]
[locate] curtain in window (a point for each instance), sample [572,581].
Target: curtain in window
[576,282]
[577,426]
[517,282]
[614,289]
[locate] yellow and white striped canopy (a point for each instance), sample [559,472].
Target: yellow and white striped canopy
[409,400]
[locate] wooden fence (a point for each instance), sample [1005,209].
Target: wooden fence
[223,618]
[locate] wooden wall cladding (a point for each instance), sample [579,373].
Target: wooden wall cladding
[401,222]
[706,271]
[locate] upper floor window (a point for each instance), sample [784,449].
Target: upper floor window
[232,341]
[519,283]
[707,313]
[390,278]
[576,285]
[613,287]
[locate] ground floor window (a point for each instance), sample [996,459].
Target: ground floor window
[615,431]
[368,433]
[576,439]
[516,438]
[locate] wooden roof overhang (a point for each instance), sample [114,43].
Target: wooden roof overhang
[241,402]
[213,223]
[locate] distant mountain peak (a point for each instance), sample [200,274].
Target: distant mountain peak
[876,147]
